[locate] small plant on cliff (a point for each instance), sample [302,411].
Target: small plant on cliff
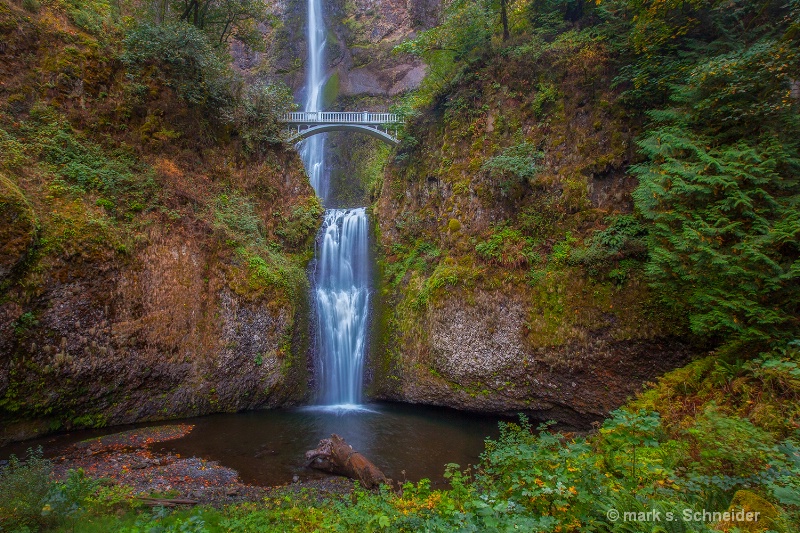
[236,215]
[622,243]
[515,167]
[507,247]
[299,227]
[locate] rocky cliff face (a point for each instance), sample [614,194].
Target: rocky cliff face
[473,351]
[158,335]
[500,293]
[361,36]
[149,269]
[366,32]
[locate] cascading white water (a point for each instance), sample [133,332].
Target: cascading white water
[342,298]
[312,150]
[341,284]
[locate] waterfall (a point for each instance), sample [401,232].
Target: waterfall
[341,278]
[312,150]
[342,298]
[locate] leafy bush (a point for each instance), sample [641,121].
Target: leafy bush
[255,114]
[89,166]
[538,482]
[302,223]
[618,247]
[66,500]
[446,274]
[515,166]
[93,16]
[237,215]
[24,489]
[562,249]
[724,221]
[185,61]
[12,152]
[421,256]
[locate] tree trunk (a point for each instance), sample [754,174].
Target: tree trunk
[504,18]
[334,455]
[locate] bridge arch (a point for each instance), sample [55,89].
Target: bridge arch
[298,136]
[308,123]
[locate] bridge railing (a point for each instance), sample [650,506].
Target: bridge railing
[333,117]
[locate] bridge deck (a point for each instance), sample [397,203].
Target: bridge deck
[340,117]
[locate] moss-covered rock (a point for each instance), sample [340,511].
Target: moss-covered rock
[489,213]
[751,513]
[17,226]
[149,269]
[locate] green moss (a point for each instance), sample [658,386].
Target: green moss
[18,228]
[769,517]
[331,90]
[90,421]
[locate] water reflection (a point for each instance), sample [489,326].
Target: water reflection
[267,447]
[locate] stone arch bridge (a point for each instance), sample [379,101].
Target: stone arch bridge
[304,124]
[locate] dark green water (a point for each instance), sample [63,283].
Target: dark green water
[267,447]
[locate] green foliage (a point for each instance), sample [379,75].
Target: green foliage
[725,230]
[66,500]
[466,27]
[421,256]
[237,215]
[90,421]
[445,275]
[183,59]
[24,487]
[625,432]
[256,112]
[720,184]
[94,16]
[618,248]
[538,482]
[25,322]
[516,166]
[270,269]
[31,5]
[546,93]
[79,161]
[562,249]
[12,152]
[299,227]
[507,247]
[220,19]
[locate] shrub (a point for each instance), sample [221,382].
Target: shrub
[77,160]
[515,167]
[422,257]
[562,249]
[301,224]
[237,215]
[255,114]
[616,249]
[185,61]
[24,488]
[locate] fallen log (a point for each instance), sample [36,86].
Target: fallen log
[334,455]
[165,502]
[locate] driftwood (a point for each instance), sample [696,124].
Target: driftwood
[334,455]
[166,502]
